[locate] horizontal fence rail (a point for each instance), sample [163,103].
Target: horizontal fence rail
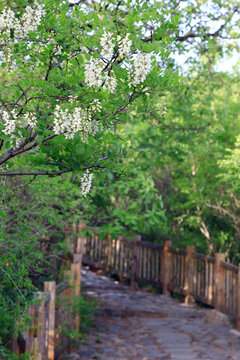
[209,280]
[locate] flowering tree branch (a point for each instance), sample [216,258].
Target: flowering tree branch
[71,74]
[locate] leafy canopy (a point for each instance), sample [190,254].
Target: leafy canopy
[70,73]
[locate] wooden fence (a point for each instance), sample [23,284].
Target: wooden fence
[51,314]
[209,280]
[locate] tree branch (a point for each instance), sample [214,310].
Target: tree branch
[51,173]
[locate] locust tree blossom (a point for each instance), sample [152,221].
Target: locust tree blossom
[69,123]
[31,19]
[61,118]
[96,106]
[86,182]
[7,57]
[28,22]
[110,83]
[10,24]
[31,119]
[95,78]
[93,73]
[124,46]
[99,74]
[141,68]
[7,21]
[107,46]
[9,120]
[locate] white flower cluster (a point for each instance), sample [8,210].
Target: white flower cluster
[32,17]
[141,68]
[93,70]
[20,27]
[7,57]
[96,106]
[28,22]
[124,46]
[86,182]
[31,119]
[94,77]
[69,123]
[110,83]
[107,46]
[65,122]
[92,128]
[7,21]
[93,73]
[10,120]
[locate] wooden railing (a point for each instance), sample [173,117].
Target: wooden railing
[51,314]
[209,280]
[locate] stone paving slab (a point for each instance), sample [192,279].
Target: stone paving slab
[146,326]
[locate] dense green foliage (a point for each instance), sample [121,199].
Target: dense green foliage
[60,104]
[165,159]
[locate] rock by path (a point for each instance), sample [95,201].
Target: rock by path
[146,326]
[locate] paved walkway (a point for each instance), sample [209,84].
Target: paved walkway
[145,326]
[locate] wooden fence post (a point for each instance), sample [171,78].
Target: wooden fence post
[134,263]
[40,327]
[165,266]
[106,248]
[77,259]
[218,281]
[50,287]
[76,270]
[188,287]
[80,239]
[30,330]
[238,298]
[110,252]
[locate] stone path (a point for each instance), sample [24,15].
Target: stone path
[146,326]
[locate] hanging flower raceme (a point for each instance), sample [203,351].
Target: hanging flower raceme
[93,73]
[28,22]
[110,83]
[98,73]
[96,106]
[107,46]
[9,120]
[61,120]
[30,119]
[141,68]
[31,19]
[13,27]
[124,46]
[69,123]
[8,21]
[86,182]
